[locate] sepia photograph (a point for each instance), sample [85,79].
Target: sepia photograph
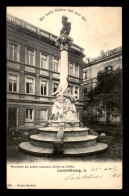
[64,97]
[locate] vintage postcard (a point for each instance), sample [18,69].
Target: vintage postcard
[64,97]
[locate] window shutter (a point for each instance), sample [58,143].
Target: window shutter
[31,114]
[26,113]
[41,89]
[45,90]
[15,86]
[10,86]
[27,87]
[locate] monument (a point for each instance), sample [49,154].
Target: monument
[64,136]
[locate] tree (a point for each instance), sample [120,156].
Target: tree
[107,94]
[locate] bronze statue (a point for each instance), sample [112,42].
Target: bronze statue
[66,26]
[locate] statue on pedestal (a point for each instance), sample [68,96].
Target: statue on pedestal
[64,109]
[66,26]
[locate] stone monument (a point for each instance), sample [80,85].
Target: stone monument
[63,136]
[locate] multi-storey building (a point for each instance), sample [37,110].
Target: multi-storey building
[106,60]
[33,71]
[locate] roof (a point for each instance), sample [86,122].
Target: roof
[22,23]
[105,55]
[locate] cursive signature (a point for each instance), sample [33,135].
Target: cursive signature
[79,176]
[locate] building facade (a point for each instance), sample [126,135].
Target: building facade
[33,71]
[106,60]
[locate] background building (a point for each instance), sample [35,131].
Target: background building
[33,70]
[106,60]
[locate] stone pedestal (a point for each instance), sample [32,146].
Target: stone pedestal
[64,41]
[76,142]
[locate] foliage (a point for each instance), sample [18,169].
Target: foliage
[107,93]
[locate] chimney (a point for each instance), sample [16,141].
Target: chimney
[102,53]
[107,52]
[87,60]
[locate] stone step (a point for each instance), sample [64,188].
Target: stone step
[85,138]
[66,129]
[68,132]
[32,149]
[68,142]
[67,124]
[42,151]
[98,147]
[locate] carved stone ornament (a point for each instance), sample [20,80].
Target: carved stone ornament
[64,41]
[64,109]
[63,46]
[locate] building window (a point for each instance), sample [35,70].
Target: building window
[13,83]
[55,65]
[44,61]
[44,115]
[76,91]
[13,51]
[43,87]
[55,86]
[71,89]
[85,92]
[29,115]
[30,56]
[30,85]
[100,112]
[71,69]
[85,75]
[76,70]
